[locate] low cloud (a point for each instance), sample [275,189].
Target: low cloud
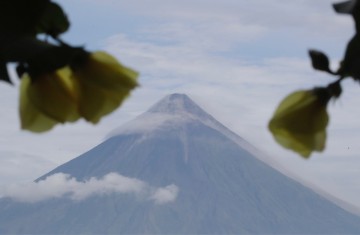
[64,186]
[165,195]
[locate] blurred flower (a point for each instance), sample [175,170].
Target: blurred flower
[103,84]
[30,117]
[91,89]
[300,121]
[54,95]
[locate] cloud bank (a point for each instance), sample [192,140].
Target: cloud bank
[64,186]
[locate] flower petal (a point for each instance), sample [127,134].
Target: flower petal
[30,117]
[105,71]
[103,84]
[95,102]
[54,95]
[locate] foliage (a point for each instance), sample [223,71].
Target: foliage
[59,83]
[300,121]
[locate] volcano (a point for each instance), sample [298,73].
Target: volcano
[223,186]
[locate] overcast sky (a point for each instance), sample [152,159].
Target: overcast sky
[237,59]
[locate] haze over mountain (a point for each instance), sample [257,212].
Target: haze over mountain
[173,169]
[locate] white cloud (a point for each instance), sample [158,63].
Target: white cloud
[165,195]
[236,21]
[64,186]
[20,167]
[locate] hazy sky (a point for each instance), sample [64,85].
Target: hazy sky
[237,59]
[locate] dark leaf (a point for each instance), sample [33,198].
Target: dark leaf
[351,7]
[345,7]
[350,64]
[4,76]
[19,17]
[53,58]
[319,61]
[335,89]
[53,21]
[21,69]
[40,56]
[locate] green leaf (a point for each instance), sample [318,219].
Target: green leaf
[319,61]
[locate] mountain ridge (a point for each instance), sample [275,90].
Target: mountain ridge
[223,187]
[165,112]
[177,109]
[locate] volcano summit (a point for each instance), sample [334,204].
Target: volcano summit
[213,180]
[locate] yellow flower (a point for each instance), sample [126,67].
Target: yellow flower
[46,100]
[300,121]
[30,117]
[103,84]
[91,89]
[54,95]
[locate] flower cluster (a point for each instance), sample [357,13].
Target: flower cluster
[60,82]
[89,89]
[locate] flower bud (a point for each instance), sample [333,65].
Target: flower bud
[300,121]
